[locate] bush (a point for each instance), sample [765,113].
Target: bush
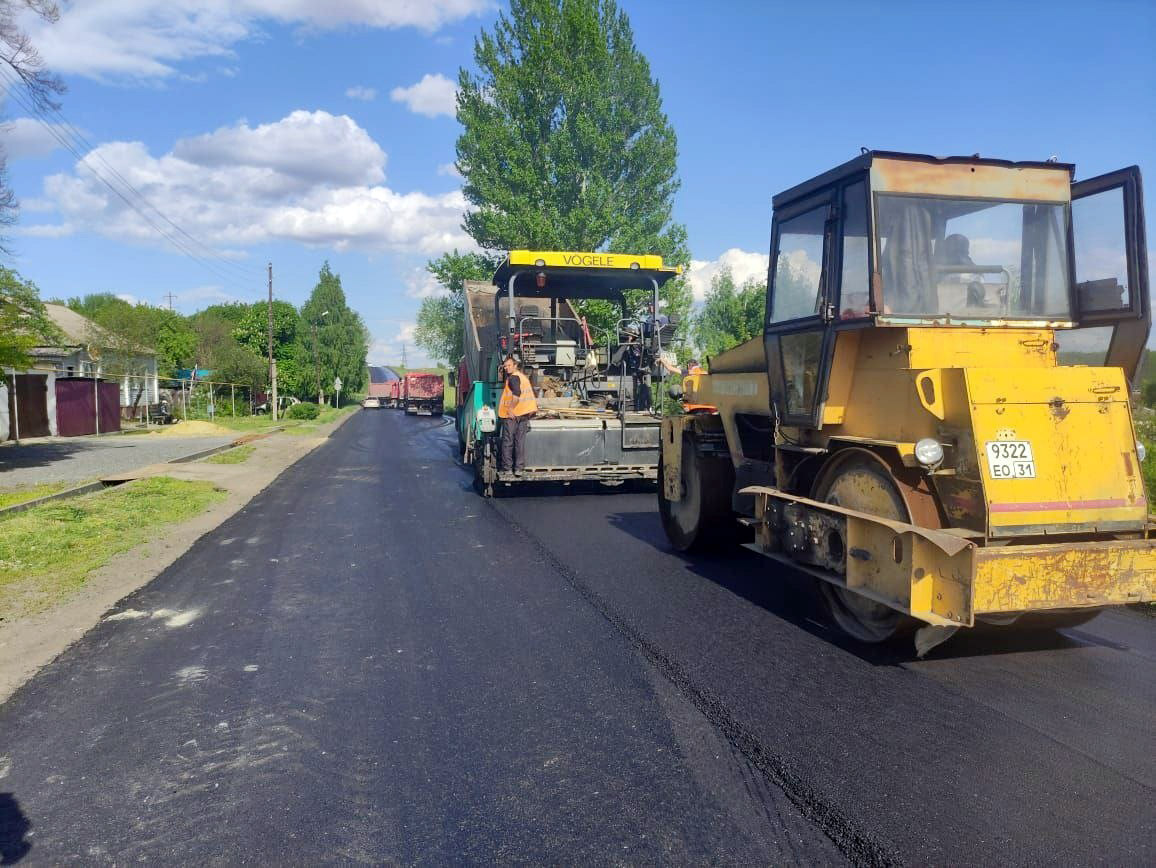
[303,411]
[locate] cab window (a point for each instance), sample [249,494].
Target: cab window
[1101,253]
[855,281]
[798,266]
[973,258]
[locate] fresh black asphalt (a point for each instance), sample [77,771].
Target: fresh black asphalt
[370,663]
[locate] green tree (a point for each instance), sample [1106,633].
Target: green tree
[133,331]
[24,324]
[440,319]
[218,351]
[565,145]
[293,376]
[342,340]
[730,314]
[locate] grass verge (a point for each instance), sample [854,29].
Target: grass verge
[263,423]
[13,496]
[236,455]
[47,553]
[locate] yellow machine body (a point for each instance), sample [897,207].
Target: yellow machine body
[1037,501]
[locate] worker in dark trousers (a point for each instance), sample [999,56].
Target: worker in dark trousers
[516,408]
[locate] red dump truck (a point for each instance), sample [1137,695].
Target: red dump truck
[393,396]
[423,393]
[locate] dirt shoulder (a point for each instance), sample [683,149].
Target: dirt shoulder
[28,644]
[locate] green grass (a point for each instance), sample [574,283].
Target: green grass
[47,552]
[264,423]
[236,455]
[13,496]
[1146,431]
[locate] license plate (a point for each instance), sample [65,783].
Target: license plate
[1010,459]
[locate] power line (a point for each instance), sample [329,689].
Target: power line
[93,151]
[71,146]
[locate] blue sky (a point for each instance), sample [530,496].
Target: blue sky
[294,131]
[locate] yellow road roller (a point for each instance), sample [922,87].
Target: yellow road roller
[936,423]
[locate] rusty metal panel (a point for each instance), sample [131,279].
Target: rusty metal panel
[1064,575]
[974,180]
[671,437]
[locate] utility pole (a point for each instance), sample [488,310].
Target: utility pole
[272,361]
[170,297]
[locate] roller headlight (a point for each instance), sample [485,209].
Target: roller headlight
[1141,451]
[929,453]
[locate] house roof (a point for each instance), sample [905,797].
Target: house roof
[78,330]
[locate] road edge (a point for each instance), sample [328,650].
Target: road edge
[27,646]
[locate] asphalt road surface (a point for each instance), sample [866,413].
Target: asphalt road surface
[372,664]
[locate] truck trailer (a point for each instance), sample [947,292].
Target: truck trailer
[593,387]
[424,393]
[936,423]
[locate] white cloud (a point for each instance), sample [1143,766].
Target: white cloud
[311,177]
[387,351]
[449,170]
[743,264]
[419,283]
[45,230]
[198,297]
[291,148]
[365,94]
[432,96]
[28,137]
[149,39]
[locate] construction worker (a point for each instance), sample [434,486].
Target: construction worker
[516,408]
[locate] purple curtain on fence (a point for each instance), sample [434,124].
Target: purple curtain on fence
[74,407]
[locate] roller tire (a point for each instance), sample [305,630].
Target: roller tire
[859,480]
[703,519]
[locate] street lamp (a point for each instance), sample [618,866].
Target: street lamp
[316,360]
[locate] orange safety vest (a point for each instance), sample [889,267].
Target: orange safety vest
[517,405]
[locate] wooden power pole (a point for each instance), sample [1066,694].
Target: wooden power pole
[272,361]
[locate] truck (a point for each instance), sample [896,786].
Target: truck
[936,424]
[596,419]
[424,393]
[392,398]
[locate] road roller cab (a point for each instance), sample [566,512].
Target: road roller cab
[936,422]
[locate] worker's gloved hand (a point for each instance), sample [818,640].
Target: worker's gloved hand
[675,390]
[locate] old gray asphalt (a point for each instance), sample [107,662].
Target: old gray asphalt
[74,459]
[369,663]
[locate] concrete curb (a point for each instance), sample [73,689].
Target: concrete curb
[60,495]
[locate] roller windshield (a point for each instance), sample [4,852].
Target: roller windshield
[971,259]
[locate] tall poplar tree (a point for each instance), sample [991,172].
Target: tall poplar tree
[564,143]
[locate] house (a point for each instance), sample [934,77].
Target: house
[89,350]
[60,392]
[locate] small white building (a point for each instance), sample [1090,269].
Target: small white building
[83,353]
[86,354]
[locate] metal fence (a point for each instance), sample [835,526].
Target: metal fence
[182,399]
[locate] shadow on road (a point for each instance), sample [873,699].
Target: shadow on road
[13,457]
[14,826]
[794,597]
